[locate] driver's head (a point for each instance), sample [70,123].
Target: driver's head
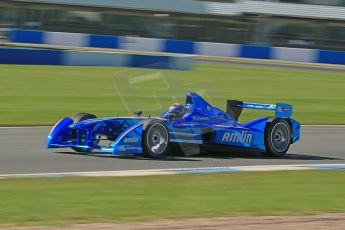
[176,111]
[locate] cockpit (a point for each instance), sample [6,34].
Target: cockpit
[175,111]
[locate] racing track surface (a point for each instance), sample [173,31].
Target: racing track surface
[22,151]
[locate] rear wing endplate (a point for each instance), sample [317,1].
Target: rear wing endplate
[234,108]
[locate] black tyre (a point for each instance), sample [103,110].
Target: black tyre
[82,117]
[155,139]
[277,137]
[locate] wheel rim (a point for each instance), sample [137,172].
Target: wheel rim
[157,139]
[280,137]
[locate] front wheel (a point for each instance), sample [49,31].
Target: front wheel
[82,117]
[277,137]
[155,139]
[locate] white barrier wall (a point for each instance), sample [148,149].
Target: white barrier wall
[95,58]
[182,62]
[66,39]
[142,44]
[218,49]
[294,54]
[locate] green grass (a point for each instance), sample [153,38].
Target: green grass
[108,199]
[31,95]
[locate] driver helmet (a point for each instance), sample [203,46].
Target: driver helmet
[176,111]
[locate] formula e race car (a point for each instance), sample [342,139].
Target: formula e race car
[195,123]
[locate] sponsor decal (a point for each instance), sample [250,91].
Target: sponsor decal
[242,137]
[131,140]
[131,148]
[199,118]
[282,109]
[125,148]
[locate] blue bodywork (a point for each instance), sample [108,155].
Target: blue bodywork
[202,124]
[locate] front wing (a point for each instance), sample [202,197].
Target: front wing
[95,135]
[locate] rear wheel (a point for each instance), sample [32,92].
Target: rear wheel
[82,117]
[277,137]
[155,139]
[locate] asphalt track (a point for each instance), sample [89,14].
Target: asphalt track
[22,151]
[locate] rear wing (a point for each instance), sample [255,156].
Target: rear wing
[234,108]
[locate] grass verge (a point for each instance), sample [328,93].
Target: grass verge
[41,95]
[108,199]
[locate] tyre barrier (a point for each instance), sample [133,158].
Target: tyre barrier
[33,56]
[177,46]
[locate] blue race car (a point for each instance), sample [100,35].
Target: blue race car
[196,123]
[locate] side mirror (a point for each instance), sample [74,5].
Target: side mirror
[139,113]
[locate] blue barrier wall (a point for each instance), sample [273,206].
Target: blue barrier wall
[251,51]
[331,57]
[180,46]
[27,36]
[151,61]
[30,56]
[92,58]
[104,41]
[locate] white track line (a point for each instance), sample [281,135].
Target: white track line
[153,172]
